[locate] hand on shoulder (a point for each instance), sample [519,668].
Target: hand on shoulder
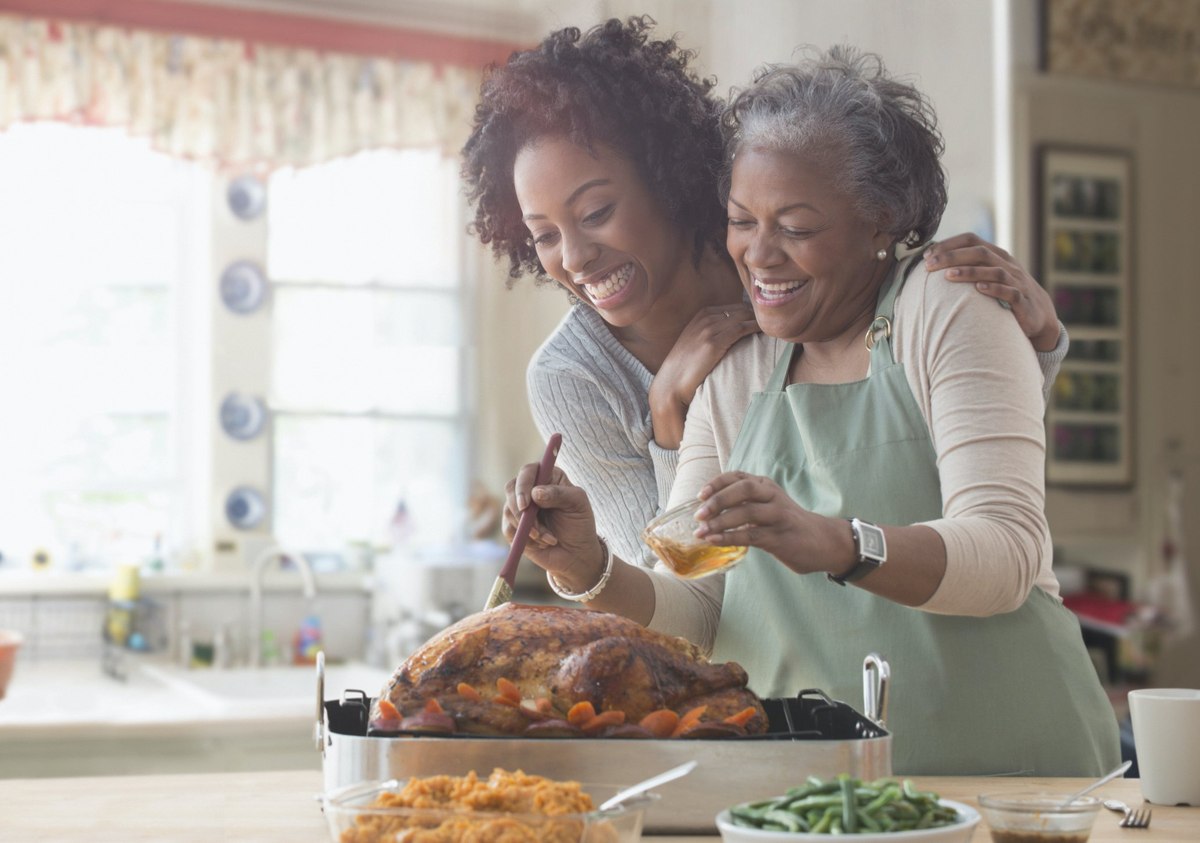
[997,274]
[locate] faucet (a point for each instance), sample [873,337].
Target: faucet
[308,582]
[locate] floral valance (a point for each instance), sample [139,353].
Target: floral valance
[234,103]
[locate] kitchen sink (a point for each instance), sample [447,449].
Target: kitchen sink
[285,687]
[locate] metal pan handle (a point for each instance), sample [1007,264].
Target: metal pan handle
[876,677]
[319,728]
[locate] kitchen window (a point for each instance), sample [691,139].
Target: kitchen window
[102,239]
[108,339]
[370,414]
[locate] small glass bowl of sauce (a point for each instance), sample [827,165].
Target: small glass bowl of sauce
[672,537]
[1038,817]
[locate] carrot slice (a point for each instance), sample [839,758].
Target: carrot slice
[581,713]
[508,689]
[432,706]
[600,721]
[742,717]
[500,699]
[689,720]
[466,691]
[388,710]
[660,723]
[544,705]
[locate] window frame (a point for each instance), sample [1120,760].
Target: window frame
[205,463]
[252,462]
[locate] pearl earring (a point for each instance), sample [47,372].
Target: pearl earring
[881,255]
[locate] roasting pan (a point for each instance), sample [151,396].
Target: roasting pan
[808,735]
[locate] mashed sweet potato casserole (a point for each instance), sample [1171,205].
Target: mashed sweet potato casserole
[537,807]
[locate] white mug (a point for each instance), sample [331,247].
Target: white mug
[1166,733]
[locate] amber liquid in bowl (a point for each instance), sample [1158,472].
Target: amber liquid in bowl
[692,561]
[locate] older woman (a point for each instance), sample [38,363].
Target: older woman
[594,162]
[891,489]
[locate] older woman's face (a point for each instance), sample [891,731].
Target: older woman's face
[597,229]
[804,254]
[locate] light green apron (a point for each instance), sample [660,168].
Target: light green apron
[1011,693]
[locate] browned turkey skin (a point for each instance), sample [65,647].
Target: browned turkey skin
[551,671]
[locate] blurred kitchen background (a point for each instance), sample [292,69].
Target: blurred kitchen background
[261,391]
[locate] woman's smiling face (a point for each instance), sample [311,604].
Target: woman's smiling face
[805,255]
[597,229]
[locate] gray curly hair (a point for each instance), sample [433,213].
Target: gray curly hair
[879,135]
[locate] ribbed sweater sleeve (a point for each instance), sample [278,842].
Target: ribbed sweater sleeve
[583,384]
[1051,361]
[666,462]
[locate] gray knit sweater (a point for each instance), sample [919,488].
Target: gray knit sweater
[585,385]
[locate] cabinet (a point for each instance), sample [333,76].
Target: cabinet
[1085,263]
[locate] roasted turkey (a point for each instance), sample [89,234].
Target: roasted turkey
[550,671]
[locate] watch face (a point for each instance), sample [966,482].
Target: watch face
[873,545]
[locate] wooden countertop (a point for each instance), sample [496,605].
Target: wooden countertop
[281,807]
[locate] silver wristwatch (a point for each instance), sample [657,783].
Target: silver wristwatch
[870,547]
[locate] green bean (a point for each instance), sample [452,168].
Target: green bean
[814,787]
[849,803]
[814,802]
[751,815]
[867,821]
[823,825]
[757,806]
[887,796]
[788,820]
[845,805]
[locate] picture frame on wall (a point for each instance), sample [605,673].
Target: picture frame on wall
[1085,262]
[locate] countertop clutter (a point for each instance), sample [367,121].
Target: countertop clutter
[281,807]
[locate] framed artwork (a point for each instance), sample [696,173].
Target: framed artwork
[1085,244]
[1151,41]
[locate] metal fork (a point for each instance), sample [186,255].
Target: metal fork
[1134,817]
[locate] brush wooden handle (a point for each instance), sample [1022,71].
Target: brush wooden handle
[509,572]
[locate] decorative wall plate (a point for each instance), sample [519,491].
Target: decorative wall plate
[247,197]
[245,507]
[242,416]
[243,286]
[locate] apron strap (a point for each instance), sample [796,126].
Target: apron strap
[779,375]
[885,310]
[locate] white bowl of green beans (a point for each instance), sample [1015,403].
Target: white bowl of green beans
[882,811]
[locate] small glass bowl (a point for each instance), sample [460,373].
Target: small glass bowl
[672,537]
[353,817]
[1031,817]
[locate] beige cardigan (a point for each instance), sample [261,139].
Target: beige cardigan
[977,382]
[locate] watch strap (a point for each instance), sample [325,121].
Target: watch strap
[863,564]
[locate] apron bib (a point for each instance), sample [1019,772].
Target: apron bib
[1007,694]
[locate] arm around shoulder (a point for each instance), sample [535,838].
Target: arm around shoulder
[978,382]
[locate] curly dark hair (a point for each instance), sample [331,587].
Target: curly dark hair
[613,86]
